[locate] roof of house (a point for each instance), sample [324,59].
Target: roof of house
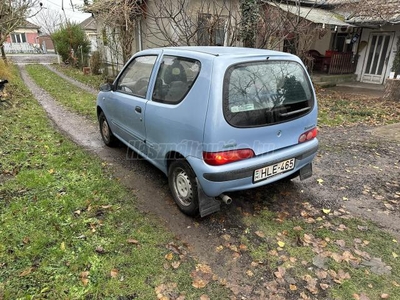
[376,12]
[313,14]
[28,24]
[88,24]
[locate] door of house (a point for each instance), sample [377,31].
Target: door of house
[376,61]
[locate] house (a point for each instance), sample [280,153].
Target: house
[379,39]
[46,43]
[89,26]
[331,36]
[24,39]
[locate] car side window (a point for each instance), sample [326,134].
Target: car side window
[135,78]
[175,78]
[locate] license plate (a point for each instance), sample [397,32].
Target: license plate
[272,170]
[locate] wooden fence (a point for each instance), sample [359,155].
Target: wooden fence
[342,63]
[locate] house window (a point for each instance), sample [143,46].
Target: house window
[211,30]
[18,38]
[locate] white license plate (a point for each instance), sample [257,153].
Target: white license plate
[272,170]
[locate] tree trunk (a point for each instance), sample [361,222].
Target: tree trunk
[392,90]
[3,54]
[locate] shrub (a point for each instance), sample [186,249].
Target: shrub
[71,37]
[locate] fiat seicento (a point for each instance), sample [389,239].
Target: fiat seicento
[213,119]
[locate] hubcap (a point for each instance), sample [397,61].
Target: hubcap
[105,130]
[183,187]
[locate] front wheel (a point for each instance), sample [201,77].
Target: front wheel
[183,186]
[106,134]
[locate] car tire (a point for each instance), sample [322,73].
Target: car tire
[106,134]
[183,186]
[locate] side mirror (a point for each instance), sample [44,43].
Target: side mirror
[107,87]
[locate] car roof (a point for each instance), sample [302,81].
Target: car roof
[227,51]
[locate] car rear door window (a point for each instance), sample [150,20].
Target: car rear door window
[135,77]
[175,78]
[266,92]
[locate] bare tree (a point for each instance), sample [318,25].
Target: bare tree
[253,23]
[184,22]
[13,13]
[119,18]
[49,21]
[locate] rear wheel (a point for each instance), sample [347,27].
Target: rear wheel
[183,186]
[106,134]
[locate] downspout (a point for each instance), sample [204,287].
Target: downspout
[139,26]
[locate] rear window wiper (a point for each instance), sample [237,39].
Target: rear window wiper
[286,114]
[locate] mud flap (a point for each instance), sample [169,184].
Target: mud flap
[306,171]
[207,205]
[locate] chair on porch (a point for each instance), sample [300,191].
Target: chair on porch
[318,59]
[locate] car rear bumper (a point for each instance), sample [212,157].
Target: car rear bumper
[216,180]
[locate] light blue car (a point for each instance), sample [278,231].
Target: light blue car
[213,119]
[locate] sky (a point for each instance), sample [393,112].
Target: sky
[72,14]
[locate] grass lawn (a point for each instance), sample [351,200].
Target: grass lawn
[68,229]
[65,92]
[94,81]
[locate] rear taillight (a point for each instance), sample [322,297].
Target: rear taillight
[226,157]
[308,135]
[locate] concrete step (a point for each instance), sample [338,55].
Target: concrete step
[324,84]
[333,78]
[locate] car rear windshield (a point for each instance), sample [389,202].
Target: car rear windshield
[266,92]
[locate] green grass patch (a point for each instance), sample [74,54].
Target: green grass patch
[324,254]
[336,109]
[63,91]
[95,81]
[68,230]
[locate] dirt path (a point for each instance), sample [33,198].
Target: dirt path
[354,169]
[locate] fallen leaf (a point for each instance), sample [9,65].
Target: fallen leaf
[199,283]
[320,181]
[62,246]
[114,273]
[132,241]
[84,276]
[280,273]
[293,287]
[219,248]
[384,296]
[324,286]
[175,264]
[26,272]
[169,256]
[395,255]
[281,244]
[243,247]
[204,297]
[311,284]
[326,210]
[260,234]
[249,273]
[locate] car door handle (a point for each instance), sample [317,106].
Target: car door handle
[138,109]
